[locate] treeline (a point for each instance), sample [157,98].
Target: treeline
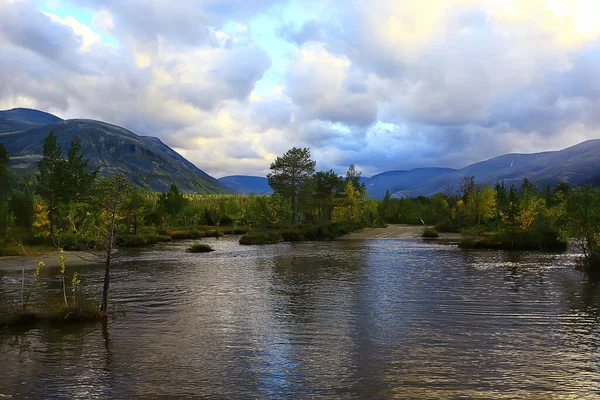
[508,217]
[65,206]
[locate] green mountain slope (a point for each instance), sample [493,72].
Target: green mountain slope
[148,162]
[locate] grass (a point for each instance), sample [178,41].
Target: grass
[546,241]
[200,248]
[65,315]
[140,240]
[261,237]
[32,250]
[304,232]
[430,233]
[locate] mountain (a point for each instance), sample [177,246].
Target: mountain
[19,119]
[147,161]
[246,184]
[574,165]
[395,181]
[377,185]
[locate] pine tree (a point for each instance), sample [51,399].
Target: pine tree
[289,174]
[50,179]
[3,171]
[78,181]
[354,176]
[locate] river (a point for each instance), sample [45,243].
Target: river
[344,319]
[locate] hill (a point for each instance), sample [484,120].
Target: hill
[574,165]
[19,119]
[395,181]
[147,161]
[243,184]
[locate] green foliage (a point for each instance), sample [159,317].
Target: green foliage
[261,238]
[289,173]
[430,233]
[78,181]
[526,240]
[200,248]
[353,176]
[51,177]
[4,172]
[583,221]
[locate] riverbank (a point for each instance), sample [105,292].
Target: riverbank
[51,260]
[396,231]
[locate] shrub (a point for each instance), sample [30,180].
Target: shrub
[214,234]
[292,235]
[546,240]
[200,248]
[430,233]
[140,240]
[261,237]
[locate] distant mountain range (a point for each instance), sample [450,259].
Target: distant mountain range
[148,162]
[377,185]
[243,184]
[151,164]
[575,165]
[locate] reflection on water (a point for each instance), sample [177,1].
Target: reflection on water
[376,319]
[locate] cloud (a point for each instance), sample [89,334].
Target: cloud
[382,84]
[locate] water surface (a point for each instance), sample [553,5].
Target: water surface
[355,319]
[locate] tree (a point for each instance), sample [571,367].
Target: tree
[289,174]
[4,174]
[112,195]
[511,211]
[136,205]
[50,178]
[172,201]
[79,182]
[482,204]
[353,176]
[467,187]
[328,186]
[583,220]
[4,160]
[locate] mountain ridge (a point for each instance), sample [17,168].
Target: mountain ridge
[147,161]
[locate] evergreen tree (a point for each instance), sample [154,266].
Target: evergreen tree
[289,174]
[50,179]
[328,186]
[510,214]
[4,184]
[353,176]
[78,181]
[3,171]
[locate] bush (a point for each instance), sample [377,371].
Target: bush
[292,235]
[261,237]
[329,231]
[430,233]
[543,240]
[77,313]
[141,240]
[214,234]
[65,315]
[200,248]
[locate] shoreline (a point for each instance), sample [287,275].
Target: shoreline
[397,231]
[392,231]
[50,260]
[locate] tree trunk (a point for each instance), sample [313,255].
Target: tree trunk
[111,232]
[104,306]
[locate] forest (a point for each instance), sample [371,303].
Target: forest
[69,206]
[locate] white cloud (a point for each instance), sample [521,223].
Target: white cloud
[383,84]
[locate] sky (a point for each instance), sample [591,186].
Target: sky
[383,84]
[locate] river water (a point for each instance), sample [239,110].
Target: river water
[352,319]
